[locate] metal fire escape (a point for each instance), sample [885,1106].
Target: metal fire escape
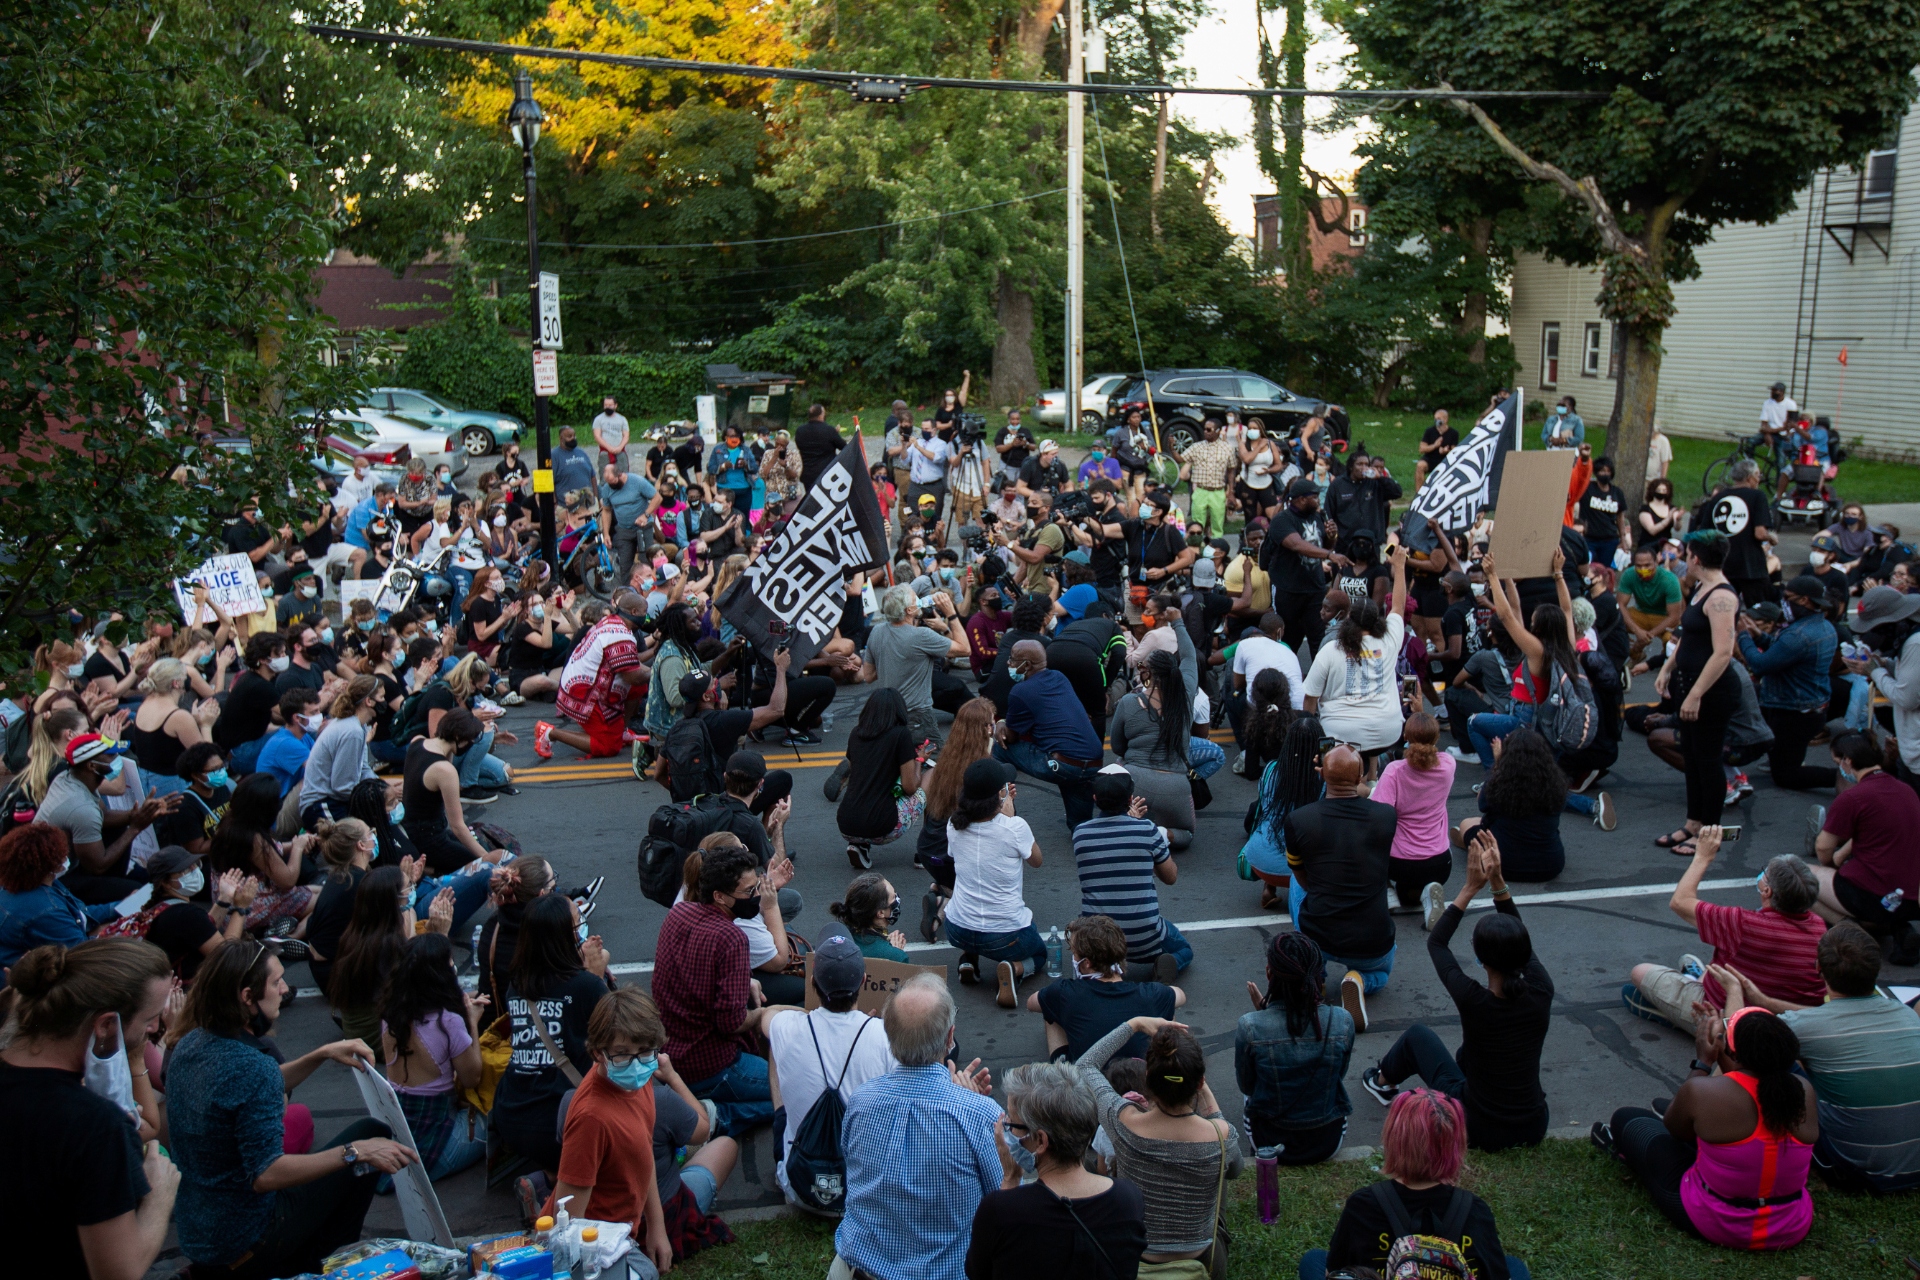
[1853,212]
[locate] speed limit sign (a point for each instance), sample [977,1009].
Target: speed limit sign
[549,311]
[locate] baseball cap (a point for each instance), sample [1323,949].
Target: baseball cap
[750,763]
[1807,587]
[1076,599]
[929,500]
[169,862]
[1767,611]
[1204,574]
[694,685]
[1048,446]
[1079,555]
[92,746]
[1881,530]
[839,970]
[1877,608]
[987,777]
[669,571]
[1303,488]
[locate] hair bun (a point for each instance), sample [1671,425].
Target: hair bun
[39,971]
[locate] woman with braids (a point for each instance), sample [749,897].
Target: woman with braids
[678,634]
[1496,1073]
[1290,1055]
[870,912]
[1352,685]
[1728,1162]
[970,739]
[1151,728]
[83,1197]
[1290,780]
[430,1034]
[1269,714]
[1521,801]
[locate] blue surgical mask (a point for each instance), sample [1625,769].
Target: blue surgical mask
[218,778]
[326,635]
[1016,675]
[116,768]
[1021,1156]
[366,624]
[634,1075]
[398,813]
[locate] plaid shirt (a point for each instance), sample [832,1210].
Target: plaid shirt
[1209,460]
[701,986]
[920,1157]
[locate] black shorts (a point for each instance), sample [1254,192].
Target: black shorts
[516,674]
[1864,905]
[1429,596]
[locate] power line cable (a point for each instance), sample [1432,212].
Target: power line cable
[1114,207]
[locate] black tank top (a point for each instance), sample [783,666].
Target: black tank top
[1696,637]
[155,750]
[426,811]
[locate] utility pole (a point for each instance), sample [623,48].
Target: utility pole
[1076,230]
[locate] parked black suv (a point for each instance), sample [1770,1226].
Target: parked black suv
[1184,398]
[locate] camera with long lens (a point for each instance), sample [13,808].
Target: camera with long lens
[1073,506]
[973,538]
[972,428]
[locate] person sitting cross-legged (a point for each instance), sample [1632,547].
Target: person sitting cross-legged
[1079,1013]
[1503,1025]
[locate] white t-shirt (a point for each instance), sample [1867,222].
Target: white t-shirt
[1258,474]
[1659,456]
[1774,412]
[1257,653]
[988,861]
[798,1065]
[1360,701]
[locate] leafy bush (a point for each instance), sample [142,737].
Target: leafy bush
[1438,375]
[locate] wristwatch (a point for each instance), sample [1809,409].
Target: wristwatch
[1705,1068]
[349,1155]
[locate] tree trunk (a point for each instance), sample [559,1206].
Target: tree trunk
[1639,393]
[1473,308]
[1015,381]
[1036,20]
[1159,167]
[1296,247]
[1389,382]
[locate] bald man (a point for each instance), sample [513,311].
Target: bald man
[1047,732]
[1340,850]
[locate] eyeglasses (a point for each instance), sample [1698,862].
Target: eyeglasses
[754,892]
[624,1060]
[1014,1126]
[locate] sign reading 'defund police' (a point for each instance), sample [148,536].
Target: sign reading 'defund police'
[230,582]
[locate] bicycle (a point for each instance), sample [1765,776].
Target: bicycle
[595,569]
[1756,449]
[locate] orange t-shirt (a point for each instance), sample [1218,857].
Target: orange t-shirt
[608,1145]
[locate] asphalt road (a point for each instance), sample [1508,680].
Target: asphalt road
[1606,912]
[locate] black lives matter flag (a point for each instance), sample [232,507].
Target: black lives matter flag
[800,578]
[1467,480]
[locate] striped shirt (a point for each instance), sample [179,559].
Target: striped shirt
[1774,951]
[1116,855]
[1864,1057]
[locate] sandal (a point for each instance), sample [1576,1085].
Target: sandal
[1682,850]
[1671,839]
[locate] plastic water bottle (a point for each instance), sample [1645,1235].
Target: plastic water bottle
[1266,1162]
[1891,902]
[826,721]
[543,1232]
[589,1268]
[1055,941]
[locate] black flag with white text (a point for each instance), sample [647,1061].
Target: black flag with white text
[1458,488]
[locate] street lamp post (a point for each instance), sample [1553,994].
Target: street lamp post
[523,122]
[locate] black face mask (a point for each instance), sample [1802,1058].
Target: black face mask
[893,913]
[1603,477]
[746,908]
[259,1024]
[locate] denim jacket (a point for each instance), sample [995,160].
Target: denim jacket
[1794,667]
[1295,1083]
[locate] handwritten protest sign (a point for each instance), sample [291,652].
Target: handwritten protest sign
[884,977]
[230,582]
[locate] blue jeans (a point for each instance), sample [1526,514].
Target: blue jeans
[741,1092]
[1313,1266]
[1075,783]
[1174,944]
[1022,944]
[1205,757]
[469,895]
[462,580]
[1488,725]
[1373,973]
[1601,552]
[1577,803]
[479,768]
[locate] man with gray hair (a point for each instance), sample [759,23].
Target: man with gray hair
[1741,512]
[903,655]
[1774,949]
[920,1150]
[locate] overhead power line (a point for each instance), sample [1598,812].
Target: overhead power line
[891,87]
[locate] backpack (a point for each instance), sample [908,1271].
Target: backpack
[411,719]
[673,832]
[816,1165]
[1567,717]
[17,808]
[1414,1256]
[691,764]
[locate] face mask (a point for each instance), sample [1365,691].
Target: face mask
[1096,456]
[218,778]
[1645,571]
[326,635]
[109,1077]
[433,626]
[1850,520]
[266,591]
[1603,477]
[746,908]
[1253,433]
[443,476]
[280,663]
[75,670]
[634,1075]
[1816,558]
[312,722]
[204,660]
[1022,1157]
[1479,588]
[115,769]
[308,593]
[398,813]
[538,613]
[193,882]
[1561,410]
[581,933]
[893,913]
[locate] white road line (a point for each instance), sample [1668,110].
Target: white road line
[1280,918]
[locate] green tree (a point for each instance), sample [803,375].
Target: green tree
[1714,112]
[159,235]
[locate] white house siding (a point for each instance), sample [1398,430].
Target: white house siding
[1734,326]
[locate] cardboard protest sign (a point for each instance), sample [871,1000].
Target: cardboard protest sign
[230,581]
[884,977]
[412,1188]
[1530,511]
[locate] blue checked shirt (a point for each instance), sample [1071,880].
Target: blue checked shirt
[920,1156]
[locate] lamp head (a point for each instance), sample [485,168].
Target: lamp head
[523,117]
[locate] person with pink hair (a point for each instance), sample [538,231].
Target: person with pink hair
[1424,1143]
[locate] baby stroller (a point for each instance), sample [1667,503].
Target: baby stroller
[1809,497]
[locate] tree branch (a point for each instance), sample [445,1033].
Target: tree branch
[1315,182]
[1585,190]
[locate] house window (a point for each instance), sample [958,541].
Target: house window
[1590,352]
[1357,228]
[1549,355]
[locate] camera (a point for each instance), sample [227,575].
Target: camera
[972,428]
[973,538]
[1073,506]
[779,632]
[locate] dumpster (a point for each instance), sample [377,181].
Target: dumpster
[753,402]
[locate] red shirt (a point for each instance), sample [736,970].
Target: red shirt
[1776,952]
[1881,816]
[701,985]
[608,1145]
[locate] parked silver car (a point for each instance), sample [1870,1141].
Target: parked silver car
[1050,407]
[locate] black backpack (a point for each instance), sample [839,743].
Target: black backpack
[17,808]
[816,1165]
[411,719]
[673,832]
[692,764]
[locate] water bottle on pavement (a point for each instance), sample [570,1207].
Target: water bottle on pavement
[1267,1181]
[1054,941]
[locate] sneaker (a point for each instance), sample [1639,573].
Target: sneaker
[1165,969]
[1353,998]
[1009,997]
[281,926]
[929,916]
[642,758]
[589,891]
[587,911]
[506,789]
[836,780]
[477,795]
[1601,1136]
[1240,764]
[1433,899]
[543,740]
[803,738]
[1476,788]
[292,950]
[1733,795]
[1593,776]
[969,970]
[1639,1006]
[1741,784]
[1438,713]
[860,855]
[1605,816]
[1383,1093]
[1692,966]
[1816,822]
[1462,756]
[512,700]
[531,1193]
